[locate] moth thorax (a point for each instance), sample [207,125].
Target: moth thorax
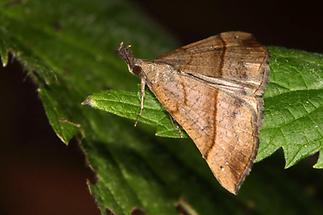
[154,72]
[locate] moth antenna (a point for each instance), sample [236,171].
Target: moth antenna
[126,54]
[142,97]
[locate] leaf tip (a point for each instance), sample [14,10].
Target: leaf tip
[4,59]
[319,162]
[318,166]
[88,101]
[290,163]
[63,139]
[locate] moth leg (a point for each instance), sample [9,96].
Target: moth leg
[142,97]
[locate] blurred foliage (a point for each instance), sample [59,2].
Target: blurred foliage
[67,48]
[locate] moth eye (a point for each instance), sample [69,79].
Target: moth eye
[136,70]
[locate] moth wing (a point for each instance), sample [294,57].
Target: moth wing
[235,56]
[222,126]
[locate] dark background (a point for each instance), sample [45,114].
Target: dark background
[40,175]
[293,24]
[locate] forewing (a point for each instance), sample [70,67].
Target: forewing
[223,127]
[202,55]
[235,56]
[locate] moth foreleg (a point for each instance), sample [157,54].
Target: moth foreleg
[142,97]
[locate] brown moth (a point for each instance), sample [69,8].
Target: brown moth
[213,88]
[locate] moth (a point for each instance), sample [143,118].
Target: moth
[213,89]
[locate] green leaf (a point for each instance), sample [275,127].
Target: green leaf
[293,105]
[319,163]
[293,116]
[67,48]
[127,104]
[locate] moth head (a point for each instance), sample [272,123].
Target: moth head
[126,54]
[150,70]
